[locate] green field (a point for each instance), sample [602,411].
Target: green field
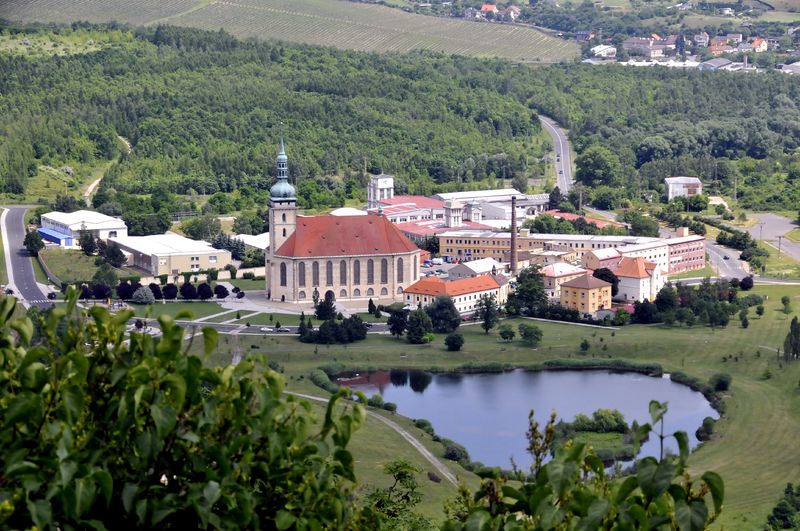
[340,24]
[707,271]
[198,309]
[754,443]
[248,284]
[70,265]
[781,266]
[793,235]
[66,42]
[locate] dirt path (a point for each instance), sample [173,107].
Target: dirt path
[87,195]
[443,470]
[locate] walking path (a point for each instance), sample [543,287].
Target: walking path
[443,470]
[7,252]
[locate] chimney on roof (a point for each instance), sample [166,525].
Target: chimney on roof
[513,235]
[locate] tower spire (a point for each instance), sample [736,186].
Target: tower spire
[282,189]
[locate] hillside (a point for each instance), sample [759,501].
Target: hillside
[325,22]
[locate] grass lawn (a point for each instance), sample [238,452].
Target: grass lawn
[248,284]
[697,273]
[3,272]
[783,266]
[70,265]
[38,272]
[793,235]
[198,309]
[285,319]
[759,411]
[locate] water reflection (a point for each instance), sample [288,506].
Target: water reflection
[420,380]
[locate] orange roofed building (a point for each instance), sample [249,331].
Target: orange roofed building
[638,279]
[586,294]
[465,292]
[352,257]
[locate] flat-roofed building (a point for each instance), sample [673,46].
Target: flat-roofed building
[65,228]
[554,275]
[465,292]
[682,186]
[474,268]
[171,254]
[482,195]
[686,253]
[586,294]
[600,258]
[656,252]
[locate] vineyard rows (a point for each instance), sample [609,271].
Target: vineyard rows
[335,23]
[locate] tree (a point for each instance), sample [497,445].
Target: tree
[585,345]
[645,312]
[202,227]
[419,326]
[398,322]
[156,290]
[506,332]
[529,296]
[667,299]
[170,291]
[114,255]
[326,309]
[204,291]
[791,345]
[143,295]
[787,304]
[87,243]
[746,284]
[760,310]
[487,312]
[124,290]
[444,315]
[371,307]
[598,165]
[188,291]
[396,502]
[33,243]
[162,454]
[555,198]
[105,274]
[520,182]
[606,274]
[454,341]
[101,291]
[221,291]
[530,334]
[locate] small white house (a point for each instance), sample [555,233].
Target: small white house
[605,51]
[64,228]
[682,186]
[474,268]
[638,280]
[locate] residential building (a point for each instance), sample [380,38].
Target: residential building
[586,294]
[554,275]
[734,38]
[489,8]
[584,35]
[760,45]
[348,257]
[701,39]
[170,254]
[475,268]
[601,258]
[639,279]
[605,51]
[65,228]
[683,187]
[465,292]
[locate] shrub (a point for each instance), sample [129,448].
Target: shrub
[170,291]
[455,452]
[390,406]
[221,291]
[143,295]
[705,431]
[720,381]
[375,401]
[585,345]
[425,425]
[248,275]
[454,342]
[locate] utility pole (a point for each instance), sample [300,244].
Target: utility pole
[761,231]
[779,245]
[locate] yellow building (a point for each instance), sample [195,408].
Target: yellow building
[586,294]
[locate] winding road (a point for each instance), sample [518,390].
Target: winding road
[19,264]
[564,178]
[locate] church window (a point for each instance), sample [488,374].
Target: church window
[315,273]
[343,293]
[357,272]
[301,274]
[329,273]
[301,295]
[342,272]
[384,271]
[283,274]
[356,292]
[370,271]
[370,292]
[399,269]
[384,291]
[284,232]
[283,218]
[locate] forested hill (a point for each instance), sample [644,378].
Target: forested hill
[203,112]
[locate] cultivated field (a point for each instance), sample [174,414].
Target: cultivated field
[334,23]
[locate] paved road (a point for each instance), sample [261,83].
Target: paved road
[20,267]
[771,226]
[564,176]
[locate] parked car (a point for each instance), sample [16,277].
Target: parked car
[368,325]
[265,329]
[467,318]
[440,271]
[283,329]
[726,257]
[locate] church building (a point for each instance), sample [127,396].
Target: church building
[353,257]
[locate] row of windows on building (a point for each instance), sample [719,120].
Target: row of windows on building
[356,293]
[329,272]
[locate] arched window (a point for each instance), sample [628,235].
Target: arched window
[283,274]
[384,271]
[301,274]
[342,272]
[357,272]
[370,271]
[399,291]
[343,293]
[329,273]
[384,291]
[315,273]
[399,269]
[370,292]
[301,295]
[356,292]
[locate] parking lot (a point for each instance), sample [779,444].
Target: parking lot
[439,270]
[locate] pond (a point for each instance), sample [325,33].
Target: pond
[488,413]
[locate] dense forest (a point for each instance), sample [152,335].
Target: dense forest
[204,112]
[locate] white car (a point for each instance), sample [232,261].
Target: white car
[265,329]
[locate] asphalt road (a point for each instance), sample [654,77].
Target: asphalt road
[20,273]
[564,178]
[770,227]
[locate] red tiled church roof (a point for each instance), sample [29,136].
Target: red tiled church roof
[345,236]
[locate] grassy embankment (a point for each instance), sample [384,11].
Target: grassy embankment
[347,25]
[3,272]
[753,447]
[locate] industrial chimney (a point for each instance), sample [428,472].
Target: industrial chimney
[513,235]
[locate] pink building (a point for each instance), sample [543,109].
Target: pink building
[599,258]
[686,253]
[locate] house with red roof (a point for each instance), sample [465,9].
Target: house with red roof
[489,8]
[639,279]
[465,292]
[350,257]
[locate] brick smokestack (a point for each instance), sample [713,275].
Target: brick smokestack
[513,235]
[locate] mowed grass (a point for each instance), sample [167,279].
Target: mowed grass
[754,447]
[70,265]
[198,309]
[347,25]
[707,271]
[793,235]
[783,265]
